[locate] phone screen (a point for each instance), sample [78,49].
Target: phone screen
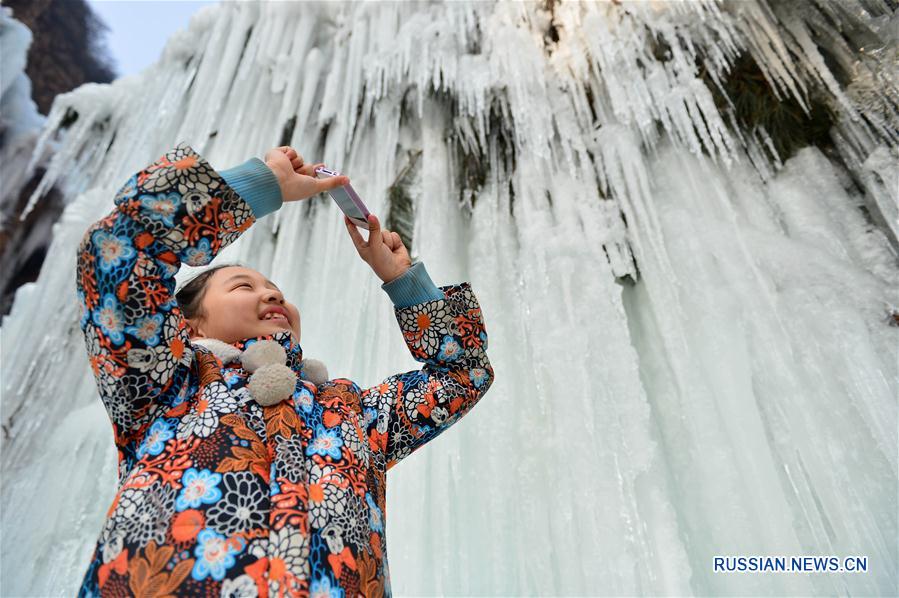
[347,200]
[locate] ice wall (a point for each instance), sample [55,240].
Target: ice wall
[19,119]
[691,333]
[21,242]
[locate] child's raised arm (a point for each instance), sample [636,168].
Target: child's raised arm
[444,329]
[449,337]
[178,209]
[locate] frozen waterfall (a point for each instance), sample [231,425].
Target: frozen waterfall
[694,330]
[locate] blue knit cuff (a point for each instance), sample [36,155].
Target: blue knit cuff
[413,286]
[256,184]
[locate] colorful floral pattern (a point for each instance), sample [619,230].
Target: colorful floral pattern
[219,496]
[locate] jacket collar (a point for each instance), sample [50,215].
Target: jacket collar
[230,352]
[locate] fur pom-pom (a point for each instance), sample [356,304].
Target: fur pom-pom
[272,383]
[227,353]
[263,353]
[315,371]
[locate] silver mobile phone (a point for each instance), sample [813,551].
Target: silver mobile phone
[347,199]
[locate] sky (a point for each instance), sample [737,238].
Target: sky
[138,29]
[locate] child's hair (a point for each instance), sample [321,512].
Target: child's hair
[190,296]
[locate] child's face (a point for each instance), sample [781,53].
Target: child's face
[234,302]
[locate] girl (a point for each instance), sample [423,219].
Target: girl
[241,471]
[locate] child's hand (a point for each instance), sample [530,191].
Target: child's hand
[384,251]
[297,179]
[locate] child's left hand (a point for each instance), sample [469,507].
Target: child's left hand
[384,251]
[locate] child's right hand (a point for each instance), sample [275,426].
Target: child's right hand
[297,179]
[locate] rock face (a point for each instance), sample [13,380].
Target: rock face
[64,52]
[58,54]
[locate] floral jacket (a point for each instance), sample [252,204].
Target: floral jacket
[218,495]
